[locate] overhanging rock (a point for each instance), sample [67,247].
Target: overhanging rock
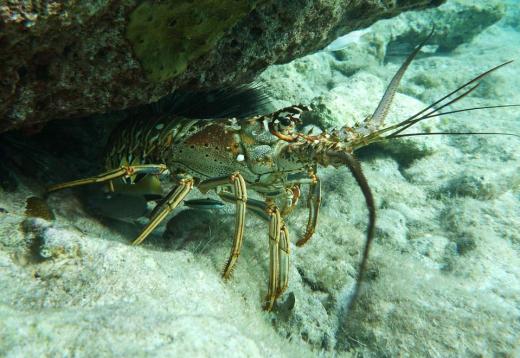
[75,58]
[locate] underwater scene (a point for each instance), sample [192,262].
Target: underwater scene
[260,178]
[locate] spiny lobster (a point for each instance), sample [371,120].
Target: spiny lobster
[264,153]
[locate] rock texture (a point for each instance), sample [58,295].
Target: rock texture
[69,59]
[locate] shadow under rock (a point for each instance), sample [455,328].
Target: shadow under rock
[193,230]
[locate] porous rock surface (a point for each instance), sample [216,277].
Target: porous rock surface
[69,59]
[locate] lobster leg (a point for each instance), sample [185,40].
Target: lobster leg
[124,171]
[278,246]
[313,202]
[171,201]
[292,194]
[283,261]
[240,198]
[275,226]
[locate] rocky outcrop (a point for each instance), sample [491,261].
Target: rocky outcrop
[70,59]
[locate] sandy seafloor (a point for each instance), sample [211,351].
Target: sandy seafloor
[444,272]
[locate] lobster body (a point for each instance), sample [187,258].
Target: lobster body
[205,149]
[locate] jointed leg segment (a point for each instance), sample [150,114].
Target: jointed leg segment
[278,246]
[275,225]
[283,261]
[292,195]
[124,171]
[240,199]
[278,257]
[171,201]
[313,203]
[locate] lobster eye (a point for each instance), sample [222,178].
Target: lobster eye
[285,121]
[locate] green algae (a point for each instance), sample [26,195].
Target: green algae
[166,36]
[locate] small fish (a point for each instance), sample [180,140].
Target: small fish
[204,204]
[342,42]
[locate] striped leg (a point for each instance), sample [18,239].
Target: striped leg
[124,171]
[171,201]
[278,247]
[313,203]
[275,226]
[283,261]
[239,197]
